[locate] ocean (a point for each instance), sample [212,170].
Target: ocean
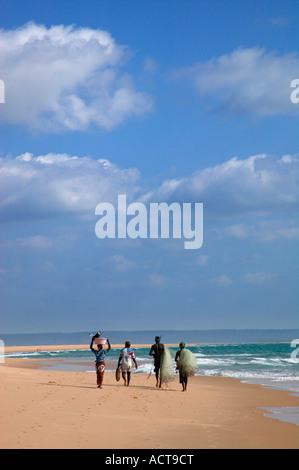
[266,357]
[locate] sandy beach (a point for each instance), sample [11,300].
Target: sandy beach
[47,409]
[65,347]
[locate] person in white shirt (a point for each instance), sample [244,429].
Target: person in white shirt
[125,362]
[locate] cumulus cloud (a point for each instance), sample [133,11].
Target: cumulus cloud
[122,264]
[202,260]
[248,81]
[55,185]
[66,78]
[259,278]
[260,184]
[280,22]
[266,230]
[156,280]
[222,281]
[39,242]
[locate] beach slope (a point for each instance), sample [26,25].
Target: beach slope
[45,409]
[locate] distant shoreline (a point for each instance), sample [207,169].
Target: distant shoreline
[70,347]
[146,337]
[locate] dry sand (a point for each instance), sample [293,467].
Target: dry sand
[45,409]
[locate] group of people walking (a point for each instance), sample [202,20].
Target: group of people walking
[184,359]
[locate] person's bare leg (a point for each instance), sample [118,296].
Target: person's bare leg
[128,378]
[125,378]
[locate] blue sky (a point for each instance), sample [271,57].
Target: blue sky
[164,101]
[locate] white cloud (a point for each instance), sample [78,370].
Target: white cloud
[266,230]
[202,260]
[156,280]
[39,242]
[222,281]
[59,184]
[259,278]
[237,231]
[66,78]
[52,185]
[150,65]
[280,22]
[247,81]
[260,184]
[122,264]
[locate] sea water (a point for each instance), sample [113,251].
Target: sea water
[252,359]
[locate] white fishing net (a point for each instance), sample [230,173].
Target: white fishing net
[167,367]
[187,363]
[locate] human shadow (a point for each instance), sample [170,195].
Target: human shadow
[121,386]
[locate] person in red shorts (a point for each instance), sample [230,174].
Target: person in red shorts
[100,355]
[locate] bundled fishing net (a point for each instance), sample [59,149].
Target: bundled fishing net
[187,363]
[167,368]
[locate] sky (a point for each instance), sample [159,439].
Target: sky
[166,101]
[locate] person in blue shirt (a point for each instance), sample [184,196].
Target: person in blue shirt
[100,355]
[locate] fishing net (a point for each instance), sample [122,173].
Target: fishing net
[187,363]
[167,367]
